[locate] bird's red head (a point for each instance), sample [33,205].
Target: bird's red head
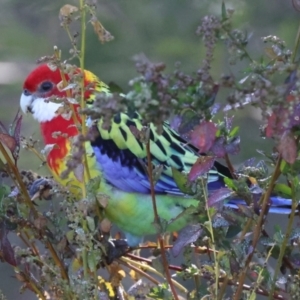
[39,85]
[44,82]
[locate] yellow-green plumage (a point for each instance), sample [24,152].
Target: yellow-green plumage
[121,157]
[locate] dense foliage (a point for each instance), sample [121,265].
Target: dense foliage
[66,243]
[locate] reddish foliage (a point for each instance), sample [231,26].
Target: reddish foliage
[201,167]
[204,135]
[6,249]
[186,236]
[218,196]
[283,119]
[287,147]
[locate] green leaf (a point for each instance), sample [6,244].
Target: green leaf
[4,191]
[92,261]
[278,237]
[182,182]
[230,183]
[91,223]
[233,230]
[283,189]
[234,131]
[160,292]
[70,236]
[284,167]
[93,185]
[224,12]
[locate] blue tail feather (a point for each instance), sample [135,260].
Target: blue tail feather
[278,205]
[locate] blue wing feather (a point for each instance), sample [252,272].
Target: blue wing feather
[122,157]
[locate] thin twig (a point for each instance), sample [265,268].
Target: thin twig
[230,166]
[31,245]
[20,183]
[57,261]
[230,282]
[257,231]
[285,240]
[210,228]
[150,269]
[156,220]
[136,269]
[82,99]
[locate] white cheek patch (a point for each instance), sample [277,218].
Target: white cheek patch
[44,111]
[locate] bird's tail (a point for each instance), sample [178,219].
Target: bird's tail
[278,205]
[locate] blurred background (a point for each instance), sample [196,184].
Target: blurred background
[162,30]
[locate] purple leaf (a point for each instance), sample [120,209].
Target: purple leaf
[7,250]
[218,195]
[234,146]
[201,167]
[218,148]
[283,119]
[186,236]
[287,147]
[203,136]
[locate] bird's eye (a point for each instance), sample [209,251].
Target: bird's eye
[46,86]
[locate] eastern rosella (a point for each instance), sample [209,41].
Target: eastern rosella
[117,157]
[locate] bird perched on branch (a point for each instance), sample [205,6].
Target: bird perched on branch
[115,154]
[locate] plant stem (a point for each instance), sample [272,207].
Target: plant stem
[156,220]
[207,277]
[150,269]
[285,241]
[18,179]
[82,99]
[230,166]
[256,233]
[57,261]
[260,277]
[128,263]
[150,172]
[217,268]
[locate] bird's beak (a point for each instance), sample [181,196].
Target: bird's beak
[26,102]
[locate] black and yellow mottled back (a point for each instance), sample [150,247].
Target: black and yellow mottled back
[121,155]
